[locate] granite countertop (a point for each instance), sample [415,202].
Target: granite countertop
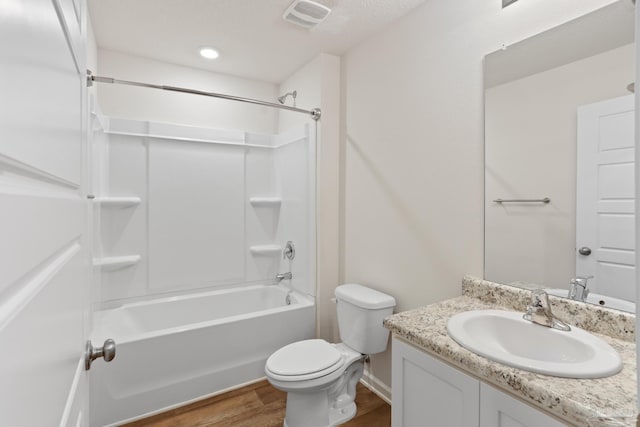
[604,402]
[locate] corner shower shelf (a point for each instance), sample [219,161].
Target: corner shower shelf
[267,202]
[117,202]
[265,250]
[116,262]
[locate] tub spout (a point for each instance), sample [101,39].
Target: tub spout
[280,277]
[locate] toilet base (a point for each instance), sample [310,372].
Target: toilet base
[328,406]
[342,415]
[337,415]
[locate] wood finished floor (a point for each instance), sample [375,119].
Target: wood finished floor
[259,405]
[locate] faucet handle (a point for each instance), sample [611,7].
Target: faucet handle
[539,300]
[581,281]
[578,288]
[539,303]
[539,311]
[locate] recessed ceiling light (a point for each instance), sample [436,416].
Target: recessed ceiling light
[209,53]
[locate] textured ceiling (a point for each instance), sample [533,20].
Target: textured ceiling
[252,38]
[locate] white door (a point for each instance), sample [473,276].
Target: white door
[43,214]
[605,243]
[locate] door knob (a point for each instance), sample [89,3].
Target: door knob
[107,351]
[289,250]
[584,251]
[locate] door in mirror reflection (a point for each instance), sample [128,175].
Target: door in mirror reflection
[605,197]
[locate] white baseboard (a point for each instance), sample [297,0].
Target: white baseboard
[379,388]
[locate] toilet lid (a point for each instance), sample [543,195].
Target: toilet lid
[304,357]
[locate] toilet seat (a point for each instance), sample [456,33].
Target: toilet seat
[304,360]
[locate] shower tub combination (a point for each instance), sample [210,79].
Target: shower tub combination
[174,350]
[188,208]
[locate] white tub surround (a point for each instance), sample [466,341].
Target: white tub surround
[174,350]
[188,209]
[603,402]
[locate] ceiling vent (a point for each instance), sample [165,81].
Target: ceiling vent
[306,13]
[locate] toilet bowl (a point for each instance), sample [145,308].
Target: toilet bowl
[320,378]
[320,381]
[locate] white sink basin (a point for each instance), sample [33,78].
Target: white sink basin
[505,337]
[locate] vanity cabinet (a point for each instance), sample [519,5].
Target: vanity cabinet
[498,409]
[429,393]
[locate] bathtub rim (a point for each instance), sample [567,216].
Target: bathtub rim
[301,301]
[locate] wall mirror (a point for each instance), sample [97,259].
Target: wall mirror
[559,148]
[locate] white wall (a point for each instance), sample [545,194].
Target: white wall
[412,120]
[318,85]
[531,127]
[307,82]
[161,106]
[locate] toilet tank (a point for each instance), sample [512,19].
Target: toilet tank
[361,311]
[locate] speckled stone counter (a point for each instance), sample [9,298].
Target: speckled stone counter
[604,402]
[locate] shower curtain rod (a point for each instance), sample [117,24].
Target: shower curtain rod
[314,113]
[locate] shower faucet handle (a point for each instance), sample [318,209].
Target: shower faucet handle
[289,251]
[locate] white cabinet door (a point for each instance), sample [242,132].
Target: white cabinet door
[44,267]
[498,409]
[429,393]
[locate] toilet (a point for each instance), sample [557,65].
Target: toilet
[320,378]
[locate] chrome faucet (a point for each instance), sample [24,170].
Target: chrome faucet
[539,312]
[578,290]
[282,276]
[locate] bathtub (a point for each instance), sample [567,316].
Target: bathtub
[171,351]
